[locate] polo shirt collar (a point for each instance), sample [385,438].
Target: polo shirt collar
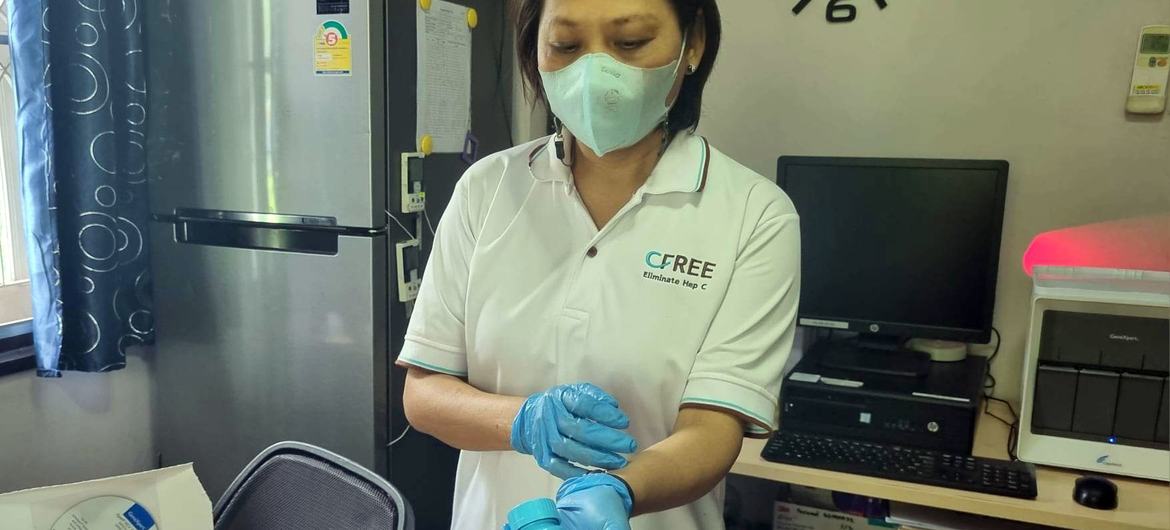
[682,168]
[544,164]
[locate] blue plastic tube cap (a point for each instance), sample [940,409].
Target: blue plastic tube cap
[536,514]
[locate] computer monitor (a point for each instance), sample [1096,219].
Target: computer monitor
[898,247]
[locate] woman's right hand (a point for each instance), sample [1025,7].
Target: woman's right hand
[569,424]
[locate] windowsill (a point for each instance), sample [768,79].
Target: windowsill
[18,360]
[16,350]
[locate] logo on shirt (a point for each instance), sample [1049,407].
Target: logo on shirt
[693,270]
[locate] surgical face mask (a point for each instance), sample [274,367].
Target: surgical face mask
[607,104]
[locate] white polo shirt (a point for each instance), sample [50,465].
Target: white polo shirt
[687,296]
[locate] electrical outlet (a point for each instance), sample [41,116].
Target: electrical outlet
[409,273]
[414,197]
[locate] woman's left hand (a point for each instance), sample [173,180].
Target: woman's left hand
[594,502]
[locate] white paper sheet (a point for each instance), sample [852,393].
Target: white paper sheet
[444,75]
[172,496]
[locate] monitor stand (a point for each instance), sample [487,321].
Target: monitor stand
[875,354]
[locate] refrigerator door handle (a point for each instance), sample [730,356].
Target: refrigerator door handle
[256,237]
[256,217]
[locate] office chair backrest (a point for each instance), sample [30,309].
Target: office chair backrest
[296,486]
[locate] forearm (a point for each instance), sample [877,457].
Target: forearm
[457,413]
[686,465]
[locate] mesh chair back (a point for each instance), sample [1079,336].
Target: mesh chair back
[295,486]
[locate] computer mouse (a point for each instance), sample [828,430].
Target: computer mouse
[1098,493]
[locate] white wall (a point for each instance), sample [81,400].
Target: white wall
[1040,83]
[78,427]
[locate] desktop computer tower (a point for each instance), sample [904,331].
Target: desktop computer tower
[937,411]
[1095,389]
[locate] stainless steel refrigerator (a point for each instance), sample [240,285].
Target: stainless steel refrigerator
[276,306]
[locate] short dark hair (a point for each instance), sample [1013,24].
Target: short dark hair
[685,113]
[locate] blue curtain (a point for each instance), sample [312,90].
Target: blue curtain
[81,98]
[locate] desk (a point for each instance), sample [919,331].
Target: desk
[1143,504]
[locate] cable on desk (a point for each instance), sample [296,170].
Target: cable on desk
[990,383]
[989,388]
[1013,426]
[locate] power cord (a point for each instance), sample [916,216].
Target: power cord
[406,231]
[989,389]
[1013,426]
[400,436]
[428,220]
[990,383]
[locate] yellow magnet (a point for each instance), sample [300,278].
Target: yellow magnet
[472,18]
[426,144]
[425,4]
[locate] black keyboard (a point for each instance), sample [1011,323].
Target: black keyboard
[983,475]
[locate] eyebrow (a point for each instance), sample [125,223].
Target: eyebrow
[650,19]
[562,21]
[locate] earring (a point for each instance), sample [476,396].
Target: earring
[690,69]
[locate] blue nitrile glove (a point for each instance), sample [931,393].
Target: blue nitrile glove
[572,423]
[595,502]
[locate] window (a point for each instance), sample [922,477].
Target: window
[15,299]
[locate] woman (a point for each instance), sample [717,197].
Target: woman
[623,252]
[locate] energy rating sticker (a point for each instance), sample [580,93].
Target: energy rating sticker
[332,53]
[1147,90]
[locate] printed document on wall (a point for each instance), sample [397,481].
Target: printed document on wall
[444,75]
